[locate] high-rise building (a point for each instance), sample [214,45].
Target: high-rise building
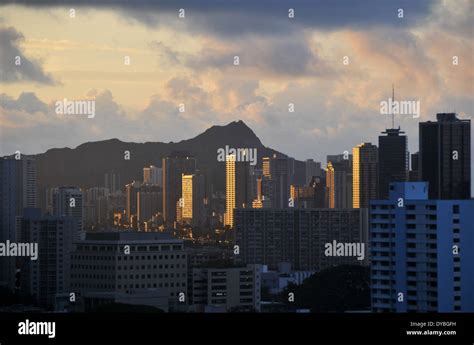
[339,183]
[255,179]
[312,169]
[149,202]
[364,174]
[193,199]
[445,156]
[95,205]
[339,158]
[174,166]
[48,275]
[299,172]
[392,160]
[281,170]
[112,182]
[237,188]
[17,191]
[320,191]
[131,190]
[143,202]
[414,174]
[420,252]
[300,236]
[69,202]
[153,175]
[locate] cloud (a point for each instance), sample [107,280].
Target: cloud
[27,101]
[289,56]
[40,128]
[269,17]
[166,53]
[455,18]
[28,70]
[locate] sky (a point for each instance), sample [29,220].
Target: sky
[335,61]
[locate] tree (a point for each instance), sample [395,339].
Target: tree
[336,289]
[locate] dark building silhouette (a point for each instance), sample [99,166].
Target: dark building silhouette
[393,159]
[414,174]
[18,190]
[312,196]
[112,181]
[364,174]
[174,166]
[445,157]
[48,275]
[280,169]
[298,236]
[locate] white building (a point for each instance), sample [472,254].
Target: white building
[121,264]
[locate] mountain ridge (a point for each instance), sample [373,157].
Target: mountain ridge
[85,165]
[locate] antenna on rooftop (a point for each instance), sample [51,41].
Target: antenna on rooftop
[393,102]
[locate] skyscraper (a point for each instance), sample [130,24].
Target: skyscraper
[421,257]
[69,201]
[339,183]
[49,274]
[392,160]
[153,175]
[364,174]
[149,203]
[174,166]
[112,181]
[193,199]
[94,198]
[445,156]
[320,196]
[17,191]
[280,169]
[237,187]
[312,169]
[131,190]
[414,174]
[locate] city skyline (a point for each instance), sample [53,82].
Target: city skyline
[184,61]
[161,160]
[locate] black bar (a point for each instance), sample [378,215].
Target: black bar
[239,328]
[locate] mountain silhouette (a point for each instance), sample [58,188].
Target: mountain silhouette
[86,165]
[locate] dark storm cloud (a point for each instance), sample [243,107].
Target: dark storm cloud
[28,70]
[236,17]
